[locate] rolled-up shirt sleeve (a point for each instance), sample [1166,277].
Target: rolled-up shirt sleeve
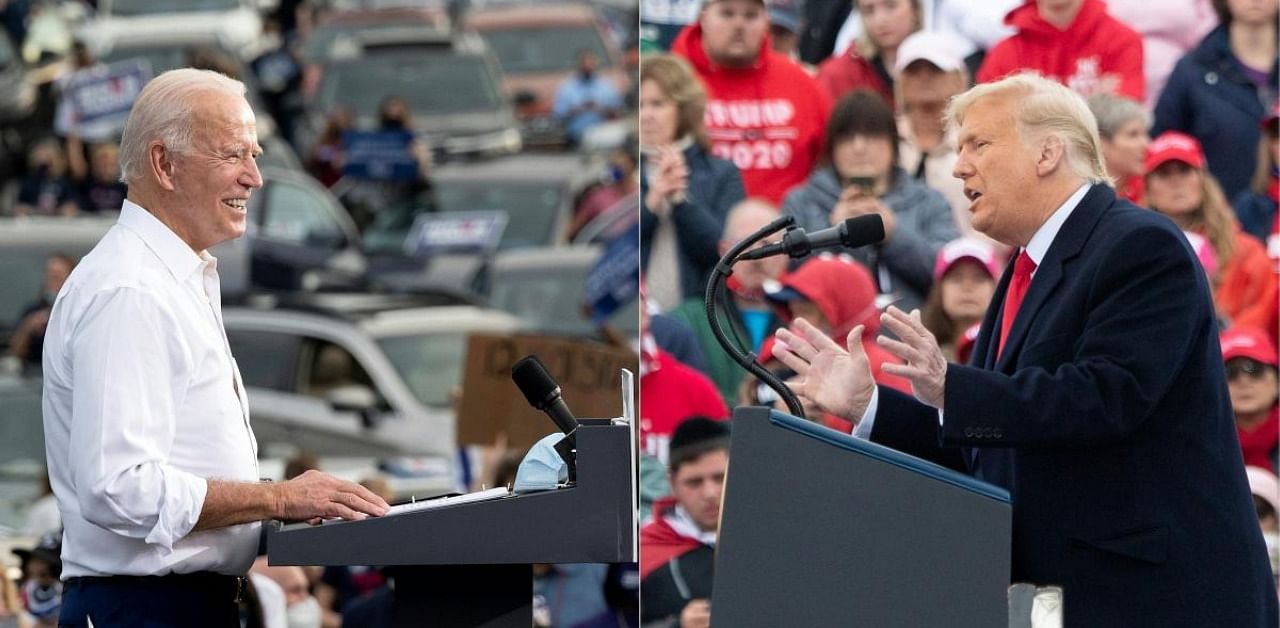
[130,374]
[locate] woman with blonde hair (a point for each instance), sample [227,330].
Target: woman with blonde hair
[685,193]
[1178,186]
[869,62]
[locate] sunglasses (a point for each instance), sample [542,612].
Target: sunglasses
[1245,366]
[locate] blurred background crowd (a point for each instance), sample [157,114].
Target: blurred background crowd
[823,110]
[432,169]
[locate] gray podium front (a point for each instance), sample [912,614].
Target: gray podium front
[822,529]
[469,564]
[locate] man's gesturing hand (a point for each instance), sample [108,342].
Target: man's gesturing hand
[831,377]
[314,496]
[925,366]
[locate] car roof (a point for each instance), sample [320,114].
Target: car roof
[53,230]
[353,306]
[527,259]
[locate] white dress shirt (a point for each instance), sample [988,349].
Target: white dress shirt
[1037,248]
[142,403]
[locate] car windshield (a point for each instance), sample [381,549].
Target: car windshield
[430,364]
[432,84]
[155,7]
[544,48]
[530,206]
[550,299]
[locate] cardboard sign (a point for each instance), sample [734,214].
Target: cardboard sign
[615,278]
[100,97]
[379,155]
[455,232]
[589,375]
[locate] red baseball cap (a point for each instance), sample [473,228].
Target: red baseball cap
[1172,145]
[966,248]
[1247,342]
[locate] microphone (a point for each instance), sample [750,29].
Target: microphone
[852,233]
[543,392]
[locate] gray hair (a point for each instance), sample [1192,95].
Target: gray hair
[1044,108]
[163,112]
[1113,112]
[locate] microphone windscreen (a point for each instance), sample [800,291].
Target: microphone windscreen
[863,230]
[534,381]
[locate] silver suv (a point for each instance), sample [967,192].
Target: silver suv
[359,375]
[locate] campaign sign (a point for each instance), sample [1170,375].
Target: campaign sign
[455,232]
[615,278]
[379,155]
[103,96]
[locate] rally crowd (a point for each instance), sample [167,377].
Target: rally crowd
[823,111]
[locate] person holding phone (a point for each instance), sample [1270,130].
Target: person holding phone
[861,177]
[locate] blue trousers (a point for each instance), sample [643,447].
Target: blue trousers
[201,600]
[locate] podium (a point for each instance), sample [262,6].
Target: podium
[469,564]
[819,528]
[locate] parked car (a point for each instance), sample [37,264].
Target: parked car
[544,289]
[536,191]
[235,23]
[537,46]
[452,91]
[359,375]
[299,237]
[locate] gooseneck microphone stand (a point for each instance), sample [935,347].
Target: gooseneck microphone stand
[715,292]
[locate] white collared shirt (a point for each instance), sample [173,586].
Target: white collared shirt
[142,403]
[1037,248]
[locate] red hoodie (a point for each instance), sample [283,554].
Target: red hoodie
[768,119]
[660,542]
[1094,50]
[669,394]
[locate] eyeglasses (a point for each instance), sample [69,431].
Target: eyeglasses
[1245,366]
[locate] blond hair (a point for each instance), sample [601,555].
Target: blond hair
[676,79]
[163,111]
[1043,108]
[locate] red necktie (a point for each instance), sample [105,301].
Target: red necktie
[1022,269]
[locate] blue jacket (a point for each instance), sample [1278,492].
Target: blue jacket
[1209,97]
[715,186]
[924,224]
[1107,417]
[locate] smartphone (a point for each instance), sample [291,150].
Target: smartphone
[866,185]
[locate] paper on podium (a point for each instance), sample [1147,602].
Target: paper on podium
[478,496]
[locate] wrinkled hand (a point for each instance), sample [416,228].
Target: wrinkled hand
[925,366]
[835,379]
[669,181]
[314,496]
[853,203]
[696,614]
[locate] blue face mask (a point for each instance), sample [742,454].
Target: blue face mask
[542,468]
[43,602]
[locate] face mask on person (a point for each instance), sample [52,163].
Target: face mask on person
[304,614]
[43,602]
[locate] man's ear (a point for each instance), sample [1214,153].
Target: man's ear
[160,162]
[1051,156]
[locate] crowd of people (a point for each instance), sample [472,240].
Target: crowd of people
[753,109]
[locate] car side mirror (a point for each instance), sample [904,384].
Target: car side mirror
[355,398]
